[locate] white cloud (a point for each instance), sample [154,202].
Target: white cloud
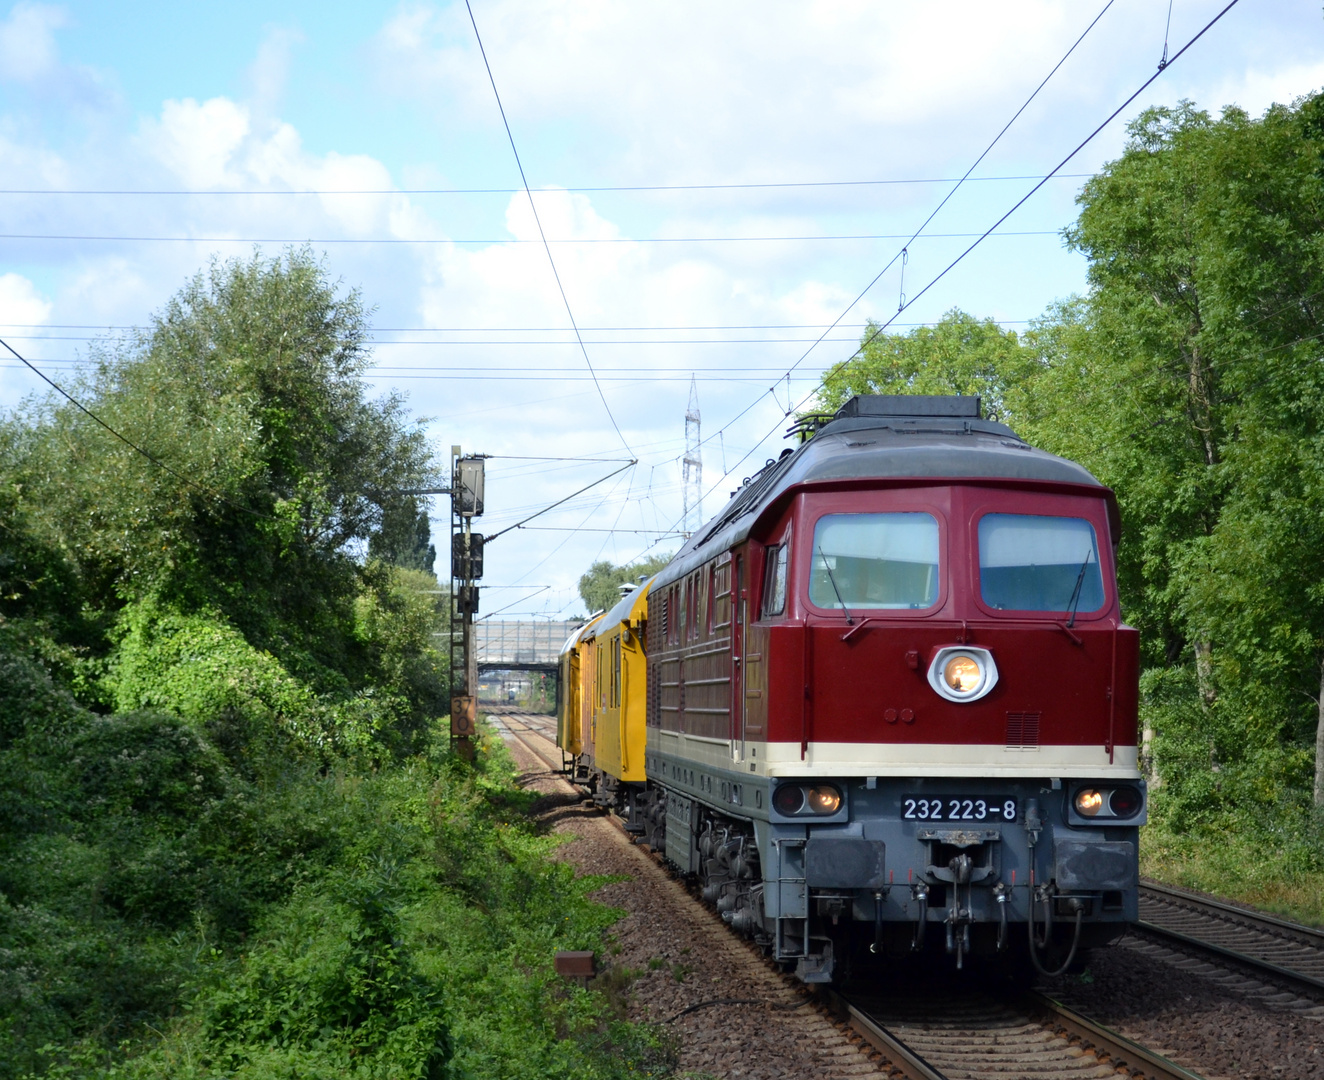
[113,290]
[737,89]
[1257,88]
[30,57]
[270,70]
[221,144]
[21,304]
[196,141]
[28,52]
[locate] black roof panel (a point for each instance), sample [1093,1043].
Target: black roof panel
[911,405]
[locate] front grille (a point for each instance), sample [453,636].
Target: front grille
[1023,730]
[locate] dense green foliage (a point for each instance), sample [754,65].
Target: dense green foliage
[600,586]
[1190,380]
[233,842]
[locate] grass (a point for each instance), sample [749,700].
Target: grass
[1238,864]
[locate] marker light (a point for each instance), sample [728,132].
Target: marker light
[823,799]
[1125,802]
[962,673]
[1089,801]
[789,799]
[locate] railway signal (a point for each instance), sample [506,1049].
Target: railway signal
[467,483]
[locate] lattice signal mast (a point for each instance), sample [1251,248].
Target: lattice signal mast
[692,466]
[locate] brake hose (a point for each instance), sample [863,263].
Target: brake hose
[1034,945]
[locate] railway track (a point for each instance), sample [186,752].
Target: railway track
[973,1036]
[1291,953]
[960,1035]
[543,728]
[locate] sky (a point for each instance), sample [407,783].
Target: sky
[718,183]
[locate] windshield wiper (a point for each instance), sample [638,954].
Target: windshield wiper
[1074,602]
[833,581]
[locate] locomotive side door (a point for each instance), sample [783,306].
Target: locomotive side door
[739,632]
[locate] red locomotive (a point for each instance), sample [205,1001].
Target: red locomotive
[891,701]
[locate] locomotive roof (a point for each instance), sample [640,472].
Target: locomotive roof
[576,635]
[623,611]
[885,437]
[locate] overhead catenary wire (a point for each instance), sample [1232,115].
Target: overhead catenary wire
[479,329]
[534,376]
[553,506]
[533,207]
[541,457]
[753,186]
[1025,198]
[530,596]
[1167,29]
[902,254]
[913,237]
[947,269]
[581,529]
[503,241]
[526,342]
[587,517]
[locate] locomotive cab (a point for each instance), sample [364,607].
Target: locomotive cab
[892,700]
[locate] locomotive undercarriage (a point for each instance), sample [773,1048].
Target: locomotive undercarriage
[827,897]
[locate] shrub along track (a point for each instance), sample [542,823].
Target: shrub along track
[961,1034]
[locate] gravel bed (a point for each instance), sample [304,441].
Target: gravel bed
[1204,1022]
[668,954]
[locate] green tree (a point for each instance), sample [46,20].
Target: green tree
[1207,268]
[405,536]
[958,355]
[249,384]
[600,587]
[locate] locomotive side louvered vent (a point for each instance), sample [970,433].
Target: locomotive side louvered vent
[1023,731]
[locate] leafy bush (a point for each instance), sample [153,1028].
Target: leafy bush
[204,670]
[351,922]
[423,950]
[1231,756]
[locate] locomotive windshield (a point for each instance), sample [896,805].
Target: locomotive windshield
[1032,563]
[875,561]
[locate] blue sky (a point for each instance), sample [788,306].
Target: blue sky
[391,103]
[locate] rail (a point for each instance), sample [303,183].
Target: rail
[1286,950]
[976,1036]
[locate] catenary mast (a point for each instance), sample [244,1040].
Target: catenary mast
[692,469]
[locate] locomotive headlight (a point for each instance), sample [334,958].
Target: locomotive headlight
[823,799]
[962,673]
[1089,802]
[1106,804]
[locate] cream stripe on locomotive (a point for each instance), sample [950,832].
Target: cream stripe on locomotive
[908,759]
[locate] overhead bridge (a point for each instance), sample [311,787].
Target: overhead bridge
[520,645]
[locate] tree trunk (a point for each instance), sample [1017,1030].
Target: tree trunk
[1148,764]
[1204,670]
[1319,741]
